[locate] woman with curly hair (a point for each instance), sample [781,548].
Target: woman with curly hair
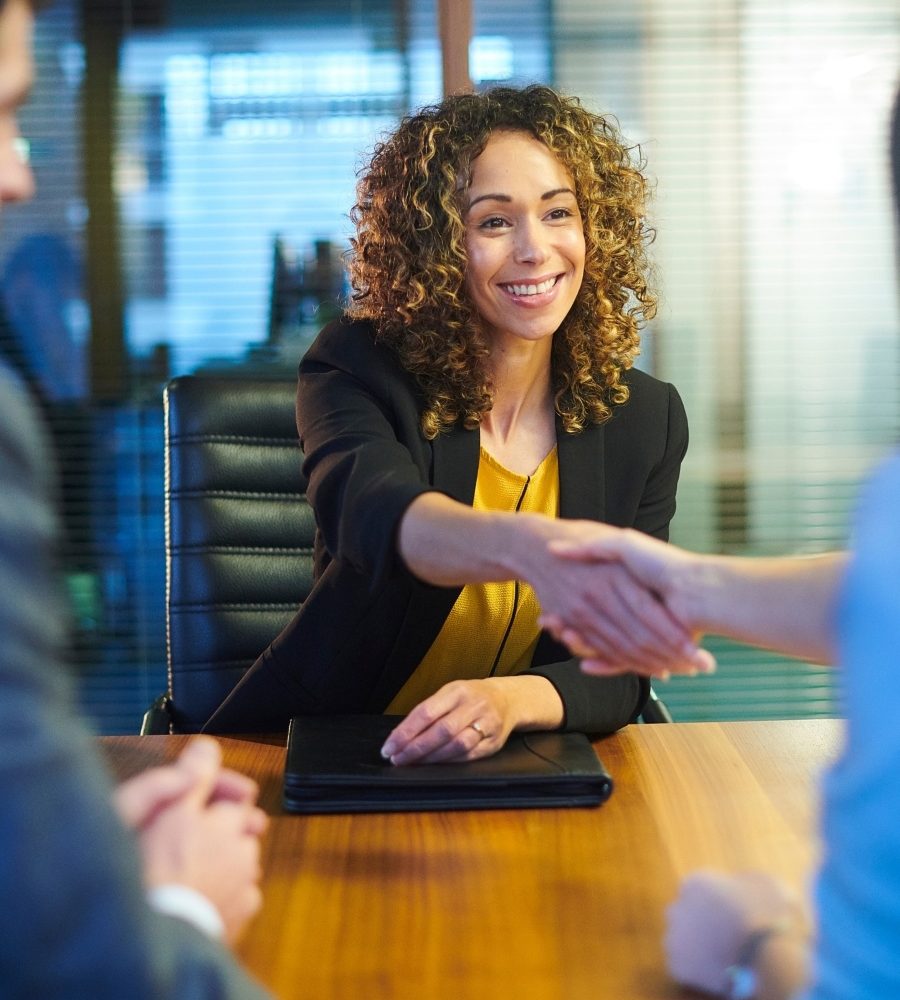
[476,398]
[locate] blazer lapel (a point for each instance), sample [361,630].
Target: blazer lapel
[582,480]
[455,470]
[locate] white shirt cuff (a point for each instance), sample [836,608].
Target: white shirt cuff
[177,900]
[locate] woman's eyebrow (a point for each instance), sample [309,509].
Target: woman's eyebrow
[546,196]
[490,197]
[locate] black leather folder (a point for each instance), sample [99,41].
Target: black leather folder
[334,765]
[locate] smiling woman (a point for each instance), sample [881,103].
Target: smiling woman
[468,409]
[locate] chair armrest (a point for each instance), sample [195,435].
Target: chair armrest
[158,717]
[655,710]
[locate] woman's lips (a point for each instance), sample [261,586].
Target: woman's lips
[531,293]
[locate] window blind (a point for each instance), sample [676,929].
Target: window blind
[236,133]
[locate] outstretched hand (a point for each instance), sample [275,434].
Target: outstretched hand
[608,597]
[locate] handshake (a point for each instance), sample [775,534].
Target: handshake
[623,601]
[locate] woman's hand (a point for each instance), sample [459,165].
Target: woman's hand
[465,720]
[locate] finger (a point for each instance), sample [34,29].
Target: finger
[616,634]
[551,623]
[705,662]
[450,734]
[601,668]
[257,822]
[201,758]
[421,719]
[138,799]
[468,745]
[576,643]
[598,549]
[648,612]
[232,786]
[601,629]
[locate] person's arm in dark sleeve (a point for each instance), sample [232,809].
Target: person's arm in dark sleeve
[352,399]
[657,506]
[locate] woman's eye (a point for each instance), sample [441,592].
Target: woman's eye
[561,213]
[494,222]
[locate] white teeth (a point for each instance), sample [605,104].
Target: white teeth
[544,286]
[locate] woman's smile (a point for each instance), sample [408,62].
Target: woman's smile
[531,292]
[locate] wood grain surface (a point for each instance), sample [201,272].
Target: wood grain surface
[554,904]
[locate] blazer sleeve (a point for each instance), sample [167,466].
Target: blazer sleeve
[357,416]
[604,704]
[657,505]
[75,921]
[596,705]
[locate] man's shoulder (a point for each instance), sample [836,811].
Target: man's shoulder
[23,444]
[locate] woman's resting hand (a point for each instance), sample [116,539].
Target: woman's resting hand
[465,720]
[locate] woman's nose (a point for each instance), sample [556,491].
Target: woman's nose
[531,242]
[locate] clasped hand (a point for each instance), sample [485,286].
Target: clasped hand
[198,825]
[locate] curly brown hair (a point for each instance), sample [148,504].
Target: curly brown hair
[408,259]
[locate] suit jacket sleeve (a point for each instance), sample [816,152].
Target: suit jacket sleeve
[357,417]
[602,705]
[74,920]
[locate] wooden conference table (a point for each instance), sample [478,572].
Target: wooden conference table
[554,904]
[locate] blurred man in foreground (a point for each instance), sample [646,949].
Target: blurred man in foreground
[90,909]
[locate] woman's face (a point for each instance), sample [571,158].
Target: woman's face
[524,238]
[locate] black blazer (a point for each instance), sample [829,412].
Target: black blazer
[368,622]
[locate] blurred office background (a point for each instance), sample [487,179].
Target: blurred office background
[196,165]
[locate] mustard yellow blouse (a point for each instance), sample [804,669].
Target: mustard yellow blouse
[492,628]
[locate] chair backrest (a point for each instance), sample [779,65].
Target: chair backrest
[239,532]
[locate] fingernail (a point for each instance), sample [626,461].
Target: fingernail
[387,750]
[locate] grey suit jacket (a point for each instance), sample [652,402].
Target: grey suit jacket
[74,922]
[368,621]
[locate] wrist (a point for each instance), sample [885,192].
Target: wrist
[770,965]
[178,900]
[523,544]
[703,592]
[533,703]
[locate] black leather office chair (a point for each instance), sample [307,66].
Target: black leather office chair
[239,539]
[239,536]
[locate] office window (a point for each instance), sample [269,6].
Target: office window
[765,127]
[236,135]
